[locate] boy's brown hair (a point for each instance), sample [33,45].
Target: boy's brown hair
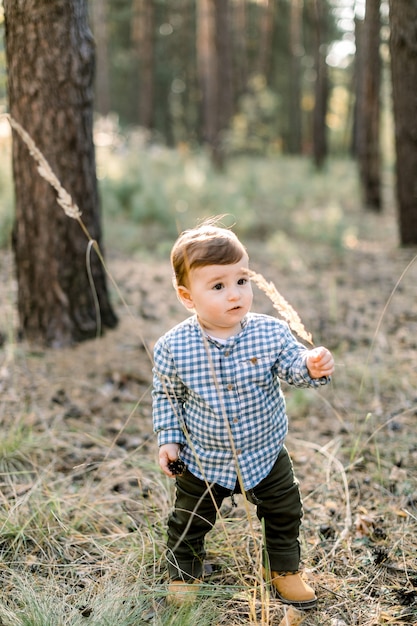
[207,244]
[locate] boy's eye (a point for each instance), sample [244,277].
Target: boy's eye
[242,281]
[218,286]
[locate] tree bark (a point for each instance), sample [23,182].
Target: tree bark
[296,50]
[321,89]
[50,57]
[215,72]
[369,108]
[207,68]
[143,35]
[99,18]
[357,82]
[224,66]
[403,47]
[266,28]
[239,22]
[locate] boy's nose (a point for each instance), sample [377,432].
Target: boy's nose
[233,293]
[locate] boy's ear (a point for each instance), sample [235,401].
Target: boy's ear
[184,296]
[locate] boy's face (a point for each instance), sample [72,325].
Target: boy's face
[221,295]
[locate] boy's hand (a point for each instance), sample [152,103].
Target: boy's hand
[167,454]
[320,362]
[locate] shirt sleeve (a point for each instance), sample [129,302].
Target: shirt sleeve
[291,365]
[167,397]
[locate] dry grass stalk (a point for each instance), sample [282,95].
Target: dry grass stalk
[63,197]
[281,305]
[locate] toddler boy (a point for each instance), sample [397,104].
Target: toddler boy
[218,408]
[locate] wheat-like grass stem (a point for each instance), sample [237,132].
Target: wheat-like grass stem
[281,305]
[63,197]
[70,208]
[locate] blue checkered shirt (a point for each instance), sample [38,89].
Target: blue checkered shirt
[223,402]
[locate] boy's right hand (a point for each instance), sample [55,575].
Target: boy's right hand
[168,453]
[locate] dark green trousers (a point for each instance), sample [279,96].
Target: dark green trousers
[278,504]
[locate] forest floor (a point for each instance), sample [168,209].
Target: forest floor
[84,503]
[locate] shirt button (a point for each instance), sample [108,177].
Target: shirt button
[239,451]
[235,420]
[230,386]
[227,353]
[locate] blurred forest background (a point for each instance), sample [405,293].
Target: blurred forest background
[273,65]
[180,93]
[297,119]
[257,78]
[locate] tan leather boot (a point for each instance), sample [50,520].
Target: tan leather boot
[180,592]
[290,588]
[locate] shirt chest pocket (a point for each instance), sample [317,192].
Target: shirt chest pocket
[256,369]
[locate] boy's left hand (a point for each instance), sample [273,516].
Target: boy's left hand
[320,362]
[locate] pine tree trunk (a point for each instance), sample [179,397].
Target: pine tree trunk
[50,56]
[224,66]
[239,23]
[207,68]
[99,17]
[321,89]
[403,47]
[215,72]
[357,87]
[266,29]
[295,129]
[369,108]
[143,27]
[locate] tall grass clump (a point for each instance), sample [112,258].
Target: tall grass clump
[17,444]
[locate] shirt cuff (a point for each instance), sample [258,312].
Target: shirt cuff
[313,382]
[173,435]
[322,381]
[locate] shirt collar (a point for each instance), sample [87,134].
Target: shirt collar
[230,340]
